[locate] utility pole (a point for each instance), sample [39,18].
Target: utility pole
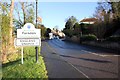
[36,27]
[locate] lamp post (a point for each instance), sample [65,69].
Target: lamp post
[36,27]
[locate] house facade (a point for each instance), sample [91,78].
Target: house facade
[88,20]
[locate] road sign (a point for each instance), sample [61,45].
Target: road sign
[28,31]
[27,42]
[28,36]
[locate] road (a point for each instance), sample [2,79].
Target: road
[68,60]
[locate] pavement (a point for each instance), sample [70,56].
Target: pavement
[69,60]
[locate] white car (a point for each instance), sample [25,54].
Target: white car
[50,35]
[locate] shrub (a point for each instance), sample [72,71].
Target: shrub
[89,37]
[113,39]
[68,32]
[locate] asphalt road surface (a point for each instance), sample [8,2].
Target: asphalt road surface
[68,60]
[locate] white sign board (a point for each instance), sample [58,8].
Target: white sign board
[28,36]
[27,42]
[28,31]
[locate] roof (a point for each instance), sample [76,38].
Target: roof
[89,20]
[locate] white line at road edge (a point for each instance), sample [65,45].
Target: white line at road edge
[70,63]
[76,69]
[100,54]
[79,70]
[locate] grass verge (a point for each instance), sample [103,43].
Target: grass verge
[30,69]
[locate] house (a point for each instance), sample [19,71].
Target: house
[88,27]
[58,33]
[89,20]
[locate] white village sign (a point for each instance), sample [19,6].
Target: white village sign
[27,36]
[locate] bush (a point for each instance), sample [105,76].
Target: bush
[89,37]
[68,32]
[113,39]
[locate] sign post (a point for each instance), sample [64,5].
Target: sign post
[36,48]
[28,36]
[36,27]
[22,55]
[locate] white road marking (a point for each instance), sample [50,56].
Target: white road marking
[77,68]
[70,63]
[110,55]
[79,71]
[100,54]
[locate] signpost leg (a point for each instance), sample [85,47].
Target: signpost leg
[22,55]
[36,27]
[36,53]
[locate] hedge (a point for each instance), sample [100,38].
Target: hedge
[89,37]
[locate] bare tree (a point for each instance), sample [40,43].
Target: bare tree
[11,22]
[23,9]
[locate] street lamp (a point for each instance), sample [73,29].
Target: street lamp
[36,27]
